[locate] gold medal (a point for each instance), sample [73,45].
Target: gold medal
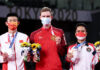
[53,37]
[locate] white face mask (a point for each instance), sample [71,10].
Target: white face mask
[80,38]
[45,20]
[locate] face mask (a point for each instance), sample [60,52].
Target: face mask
[80,36]
[13,25]
[45,20]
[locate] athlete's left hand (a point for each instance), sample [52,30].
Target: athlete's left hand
[58,40]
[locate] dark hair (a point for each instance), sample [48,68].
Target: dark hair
[81,24]
[12,14]
[44,9]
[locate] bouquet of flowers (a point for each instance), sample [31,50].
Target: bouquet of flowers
[25,49]
[34,49]
[97,45]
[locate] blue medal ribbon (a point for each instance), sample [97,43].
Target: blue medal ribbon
[13,40]
[79,45]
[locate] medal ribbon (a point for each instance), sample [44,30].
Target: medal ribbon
[80,44]
[12,42]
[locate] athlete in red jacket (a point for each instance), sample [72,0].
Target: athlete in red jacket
[52,41]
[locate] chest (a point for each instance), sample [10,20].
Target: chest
[46,35]
[6,42]
[85,52]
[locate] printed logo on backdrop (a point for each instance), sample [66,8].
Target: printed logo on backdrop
[34,13]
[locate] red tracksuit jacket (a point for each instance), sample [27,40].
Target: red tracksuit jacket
[49,55]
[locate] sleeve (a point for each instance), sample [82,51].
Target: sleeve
[62,46]
[27,40]
[68,51]
[32,37]
[95,59]
[1,57]
[71,55]
[32,41]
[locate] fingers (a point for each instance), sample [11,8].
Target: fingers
[28,57]
[35,58]
[58,40]
[69,55]
[5,56]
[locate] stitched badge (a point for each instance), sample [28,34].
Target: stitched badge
[88,49]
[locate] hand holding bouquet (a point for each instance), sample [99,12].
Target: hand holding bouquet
[33,49]
[97,45]
[25,49]
[36,47]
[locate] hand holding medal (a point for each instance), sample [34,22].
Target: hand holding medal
[57,39]
[53,37]
[75,54]
[7,54]
[70,55]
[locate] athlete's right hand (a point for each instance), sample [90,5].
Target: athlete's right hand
[35,58]
[29,57]
[69,56]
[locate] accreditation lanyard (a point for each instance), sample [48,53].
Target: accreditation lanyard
[12,42]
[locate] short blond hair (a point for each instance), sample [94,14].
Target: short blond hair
[44,9]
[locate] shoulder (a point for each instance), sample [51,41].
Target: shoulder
[36,31]
[22,34]
[4,35]
[58,30]
[71,46]
[91,45]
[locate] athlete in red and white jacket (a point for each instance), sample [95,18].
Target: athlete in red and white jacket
[15,59]
[10,50]
[82,55]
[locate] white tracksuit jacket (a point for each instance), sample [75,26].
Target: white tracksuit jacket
[87,57]
[15,60]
